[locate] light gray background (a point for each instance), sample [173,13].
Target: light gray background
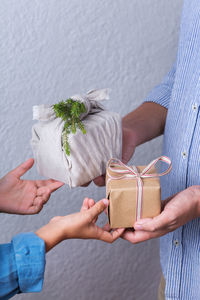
[48,51]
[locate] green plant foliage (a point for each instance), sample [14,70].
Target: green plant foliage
[70,111]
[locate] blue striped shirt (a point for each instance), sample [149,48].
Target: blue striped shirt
[180,94]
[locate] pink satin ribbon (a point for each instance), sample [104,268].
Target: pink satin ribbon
[130,172]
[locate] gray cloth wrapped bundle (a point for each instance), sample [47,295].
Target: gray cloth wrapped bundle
[89,152]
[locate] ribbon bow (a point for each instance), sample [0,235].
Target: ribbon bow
[130,172]
[91,100]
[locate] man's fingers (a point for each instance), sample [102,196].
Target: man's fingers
[139,225]
[98,208]
[86,184]
[162,221]
[23,168]
[127,234]
[141,236]
[100,180]
[127,143]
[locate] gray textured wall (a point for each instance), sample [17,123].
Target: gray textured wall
[48,51]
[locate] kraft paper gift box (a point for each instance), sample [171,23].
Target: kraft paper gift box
[89,152]
[133,193]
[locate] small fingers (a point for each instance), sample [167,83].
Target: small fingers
[91,202]
[110,237]
[117,233]
[98,208]
[85,204]
[106,227]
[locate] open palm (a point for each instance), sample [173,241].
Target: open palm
[18,196]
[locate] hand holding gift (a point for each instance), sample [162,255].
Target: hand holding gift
[176,211]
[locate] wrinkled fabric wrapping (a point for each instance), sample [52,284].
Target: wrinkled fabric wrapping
[89,152]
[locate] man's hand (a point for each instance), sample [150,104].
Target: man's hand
[19,196]
[81,225]
[177,211]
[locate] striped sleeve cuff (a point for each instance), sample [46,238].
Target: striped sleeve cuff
[161,94]
[29,251]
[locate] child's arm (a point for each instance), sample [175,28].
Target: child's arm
[23,260]
[18,196]
[79,226]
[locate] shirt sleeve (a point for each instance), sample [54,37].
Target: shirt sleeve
[161,94]
[22,265]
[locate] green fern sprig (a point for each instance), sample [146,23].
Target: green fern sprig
[69,111]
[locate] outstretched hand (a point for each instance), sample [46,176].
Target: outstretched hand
[92,211]
[81,225]
[18,196]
